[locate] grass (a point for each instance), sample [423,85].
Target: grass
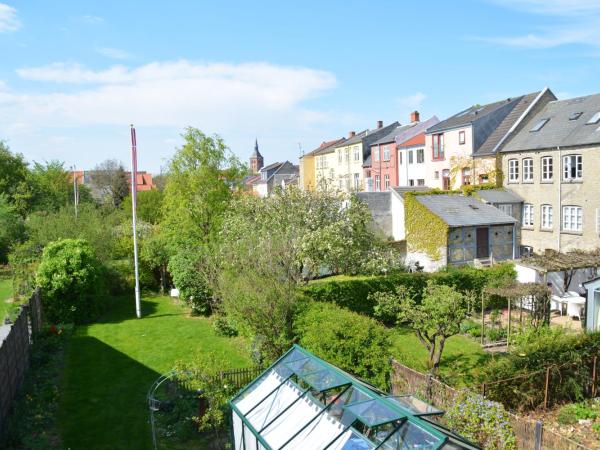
[110,366]
[461,360]
[5,294]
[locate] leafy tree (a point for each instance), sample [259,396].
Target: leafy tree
[434,320]
[13,179]
[149,206]
[70,278]
[185,270]
[11,228]
[268,246]
[98,226]
[201,177]
[261,297]
[110,179]
[51,185]
[154,254]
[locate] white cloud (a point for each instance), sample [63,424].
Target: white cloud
[215,96]
[8,19]
[553,7]
[412,101]
[114,53]
[577,22]
[90,18]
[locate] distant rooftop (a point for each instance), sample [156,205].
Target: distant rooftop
[460,211]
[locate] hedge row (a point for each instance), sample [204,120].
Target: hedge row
[353,292]
[353,342]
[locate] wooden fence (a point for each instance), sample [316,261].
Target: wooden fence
[15,343]
[531,435]
[240,377]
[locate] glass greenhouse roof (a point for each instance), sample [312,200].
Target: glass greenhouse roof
[303,402]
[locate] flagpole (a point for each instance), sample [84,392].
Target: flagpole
[138,308]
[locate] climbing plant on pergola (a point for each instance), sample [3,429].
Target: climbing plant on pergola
[568,263]
[536,295]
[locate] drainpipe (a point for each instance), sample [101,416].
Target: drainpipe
[514,241]
[380,174]
[559,179]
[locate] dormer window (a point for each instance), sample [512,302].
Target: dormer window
[575,115]
[538,126]
[594,119]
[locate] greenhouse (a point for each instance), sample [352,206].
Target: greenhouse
[303,402]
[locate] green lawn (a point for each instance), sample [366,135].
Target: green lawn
[110,366]
[461,360]
[5,294]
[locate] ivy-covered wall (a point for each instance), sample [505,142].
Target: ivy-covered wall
[425,232]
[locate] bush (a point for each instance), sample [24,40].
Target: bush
[570,356]
[353,292]
[481,421]
[355,343]
[570,414]
[185,270]
[70,278]
[223,326]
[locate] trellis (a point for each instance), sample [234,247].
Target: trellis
[536,294]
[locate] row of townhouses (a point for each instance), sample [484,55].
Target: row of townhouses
[533,161]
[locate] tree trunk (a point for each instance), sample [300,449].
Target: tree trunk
[437,356]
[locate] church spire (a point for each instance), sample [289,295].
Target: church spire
[256,159]
[256,153]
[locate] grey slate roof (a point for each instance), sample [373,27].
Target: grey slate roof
[391,137]
[357,138]
[490,144]
[559,131]
[472,114]
[459,211]
[498,196]
[367,162]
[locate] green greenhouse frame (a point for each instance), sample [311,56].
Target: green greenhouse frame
[303,402]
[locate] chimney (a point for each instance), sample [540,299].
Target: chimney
[351,134]
[380,124]
[414,116]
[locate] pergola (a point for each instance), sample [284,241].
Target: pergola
[534,297]
[302,402]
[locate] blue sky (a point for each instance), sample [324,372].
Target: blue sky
[74,75]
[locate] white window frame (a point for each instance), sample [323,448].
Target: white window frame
[528,215]
[410,157]
[347,154]
[357,181]
[513,170]
[421,182]
[506,208]
[547,168]
[340,156]
[572,218]
[375,154]
[356,153]
[386,152]
[420,156]
[377,183]
[386,181]
[547,217]
[527,170]
[568,161]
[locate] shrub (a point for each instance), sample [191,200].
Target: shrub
[70,278]
[353,292]
[185,270]
[570,414]
[353,342]
[481,421]
[224,326]
[569,355]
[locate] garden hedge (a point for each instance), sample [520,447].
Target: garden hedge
[570,356]
[353,292]
[355,343]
